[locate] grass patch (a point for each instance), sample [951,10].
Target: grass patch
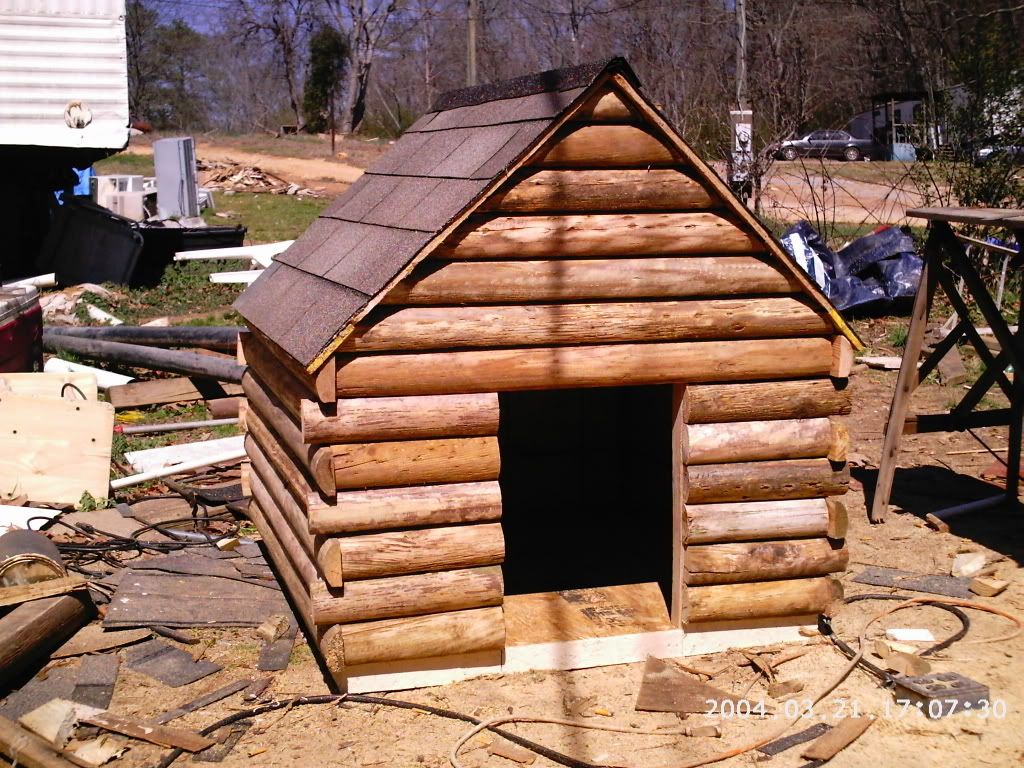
[897,336]
[268,218]
[138,165]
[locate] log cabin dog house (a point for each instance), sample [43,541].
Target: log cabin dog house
[538,392]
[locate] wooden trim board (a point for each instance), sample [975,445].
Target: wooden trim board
[715,636]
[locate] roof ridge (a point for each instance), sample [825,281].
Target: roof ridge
[550,80]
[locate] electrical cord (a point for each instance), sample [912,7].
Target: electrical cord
[540,749]
[888,681]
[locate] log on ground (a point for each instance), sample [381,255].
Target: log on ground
[423,637]
[755,520]
[805,399]
[415,462]
[415,328]
[364,420]
[736,562]
[601,234]
[382,509]
[760,600]
[602,191]
[496,282]
[757,441]
[765,481]
[581,366]
[30,632]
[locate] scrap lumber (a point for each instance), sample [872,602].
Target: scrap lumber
[22,593]
[104,379]
[27,749]
[845,732]
[172,390]
[987,587]
[172,361]
[202,701]
[667,689]
[58,384]
[93,638]
[55,449]
[30,632]
[54,721]
[176,738]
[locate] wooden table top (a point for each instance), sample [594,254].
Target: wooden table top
[1000,217]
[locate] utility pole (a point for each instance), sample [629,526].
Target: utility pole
[742,119]
[741,55]
[474,11]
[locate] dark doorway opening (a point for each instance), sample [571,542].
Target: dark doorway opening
[586,483]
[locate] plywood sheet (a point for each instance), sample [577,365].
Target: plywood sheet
[54,450]
[579,614]
[51,385]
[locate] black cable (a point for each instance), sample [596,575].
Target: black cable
[540,749]
[889,680]
[67,384]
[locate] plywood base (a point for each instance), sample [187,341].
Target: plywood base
[716,636]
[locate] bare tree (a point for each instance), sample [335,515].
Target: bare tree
[283,24]
[364,22]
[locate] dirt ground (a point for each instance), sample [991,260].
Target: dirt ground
[936,470]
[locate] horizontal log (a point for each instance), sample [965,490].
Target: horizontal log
[316,460]
[287,389]
[605,146]
[297,555]
[606,365]
[423,637]
[752,520]
[222,338]
[602,191]
[416,595]
[415,462]
[429,549]
[496,282]
[736,562]
[387,508]
[707,403]
[388,329]
[757,441]
[762,600]
[765,481]
[601,234]
[154,358]
[607,107]
[289,374]
[308,497]
[319,469]
[364,420]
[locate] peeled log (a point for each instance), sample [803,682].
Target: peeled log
[608,106]
[496,282]
[386,508]
[736,562]
[543,324]
[30,632]
[363,420]
[319,468]
[417,595]
[606,146]
[602,234]
[428,549]
[838,520]
[757,441]
[283,372]
[602,191]
[424,637]
[765,481]
[707,403]
[415,462]
[761,600]
[270,412]
[299,558]
[751,520]
[607,365]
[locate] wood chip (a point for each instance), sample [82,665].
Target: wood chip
[885,648]
[846,731]
[513,752]
[907,664]
[937,523]
[100,750]
[784,688]
[968,564]
[988,587]
[273,628]
[55,720]
[189,741]
[666,689]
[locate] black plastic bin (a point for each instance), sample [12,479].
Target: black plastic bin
[159,244]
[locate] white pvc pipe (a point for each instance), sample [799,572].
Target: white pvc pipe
[185,466]
[39,281]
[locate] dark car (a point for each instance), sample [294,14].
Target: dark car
[827,144]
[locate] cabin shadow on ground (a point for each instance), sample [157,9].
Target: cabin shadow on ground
[920,490]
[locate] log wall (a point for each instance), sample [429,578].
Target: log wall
[604,261]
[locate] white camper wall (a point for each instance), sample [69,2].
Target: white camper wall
[54,53]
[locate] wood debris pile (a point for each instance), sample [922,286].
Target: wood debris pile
[215,174]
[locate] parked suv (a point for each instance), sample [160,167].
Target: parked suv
[827,144]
